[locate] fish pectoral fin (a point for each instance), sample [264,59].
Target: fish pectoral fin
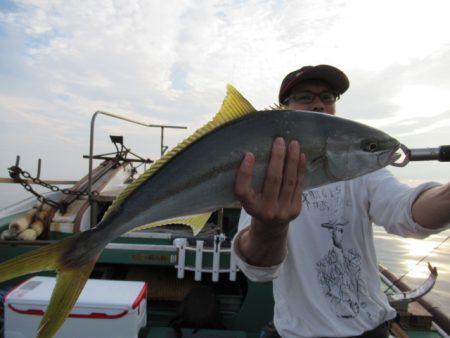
[69,284]
[195,222]
[337,165]
[316,163]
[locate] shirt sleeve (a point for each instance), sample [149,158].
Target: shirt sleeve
[254,273]
[390,204]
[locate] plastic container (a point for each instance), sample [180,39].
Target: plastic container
[105,308]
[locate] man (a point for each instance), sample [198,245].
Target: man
[317,246]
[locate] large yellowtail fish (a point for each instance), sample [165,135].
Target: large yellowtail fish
[197,176]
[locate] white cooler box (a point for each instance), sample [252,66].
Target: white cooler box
[105,308]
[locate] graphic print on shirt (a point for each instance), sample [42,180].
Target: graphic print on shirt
[338,273]
[339,270]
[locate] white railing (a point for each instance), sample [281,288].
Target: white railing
[215,270]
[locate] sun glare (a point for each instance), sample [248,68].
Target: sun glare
[417,249]
[419,271]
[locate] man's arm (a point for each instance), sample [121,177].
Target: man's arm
[431,209]
[264,243]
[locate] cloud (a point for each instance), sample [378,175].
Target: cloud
[169,62]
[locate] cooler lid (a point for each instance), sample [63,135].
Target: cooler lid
[97,293]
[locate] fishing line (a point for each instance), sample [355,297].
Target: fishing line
[418,262]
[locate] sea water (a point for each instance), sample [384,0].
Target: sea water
[409,257]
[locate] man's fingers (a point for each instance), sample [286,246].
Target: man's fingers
[243,183]
[274,174]
[301,171]
[290,175]
[280,199]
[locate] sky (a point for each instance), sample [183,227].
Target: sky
[168,62]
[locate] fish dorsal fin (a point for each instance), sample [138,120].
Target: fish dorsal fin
[233,107]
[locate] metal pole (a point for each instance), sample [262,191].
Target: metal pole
[91,145]
[162,142]
[163,147]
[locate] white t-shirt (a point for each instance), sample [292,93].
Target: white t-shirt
[328,285]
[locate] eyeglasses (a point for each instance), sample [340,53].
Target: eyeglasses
[306,97]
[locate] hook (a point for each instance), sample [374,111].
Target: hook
[406,159]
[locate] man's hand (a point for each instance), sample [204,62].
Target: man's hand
[279,202]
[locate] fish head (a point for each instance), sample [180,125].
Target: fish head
[354,152]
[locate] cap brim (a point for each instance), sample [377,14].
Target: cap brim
[335,77]
[326,73]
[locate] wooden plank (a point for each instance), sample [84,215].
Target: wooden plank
[416,316]
[10,180]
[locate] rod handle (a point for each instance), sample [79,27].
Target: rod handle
[441,154]
[444,153]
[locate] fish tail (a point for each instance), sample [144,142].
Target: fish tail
[69,285]
[73,259]
[42,259]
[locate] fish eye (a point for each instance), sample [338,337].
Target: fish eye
[370,146]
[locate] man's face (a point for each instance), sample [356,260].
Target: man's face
[317,105]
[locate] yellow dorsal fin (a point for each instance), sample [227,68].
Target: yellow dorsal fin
[196,222]
[233,107]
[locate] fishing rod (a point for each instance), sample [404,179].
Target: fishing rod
[441,154]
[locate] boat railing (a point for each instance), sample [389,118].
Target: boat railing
[38,174]
[199,268]
[202,257]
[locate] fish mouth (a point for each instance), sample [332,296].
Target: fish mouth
[394,157]
[401,159]
[389,157]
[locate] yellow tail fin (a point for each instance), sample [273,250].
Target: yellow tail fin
[69,285]
[70,278]
[42,259]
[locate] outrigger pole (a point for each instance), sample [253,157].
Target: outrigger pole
[91,143]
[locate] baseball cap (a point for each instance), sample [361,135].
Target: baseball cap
[329,74]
